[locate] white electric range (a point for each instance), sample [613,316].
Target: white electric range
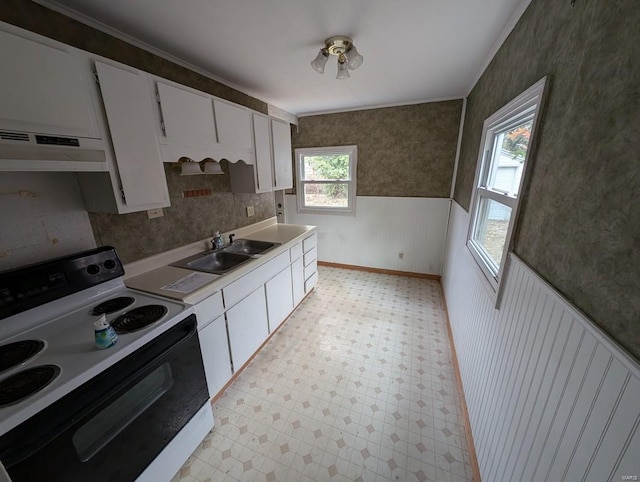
[64,403]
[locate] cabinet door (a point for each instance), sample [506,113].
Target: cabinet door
[282,160]
[233,125]
[187,117]
[128,103]
[279,298]
[44,89]
[215,355]
[248,327]
[264,166]
[297,279]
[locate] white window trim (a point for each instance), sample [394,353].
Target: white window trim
[511,113]
[352,151]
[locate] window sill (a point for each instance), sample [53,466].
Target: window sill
[493,287]
[325,211]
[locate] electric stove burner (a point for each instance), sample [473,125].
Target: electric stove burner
[15,353]
[112,305]
[138,318]
[27,382]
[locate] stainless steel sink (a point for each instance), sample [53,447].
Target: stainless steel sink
[216,262]
[250,246]
[223,260]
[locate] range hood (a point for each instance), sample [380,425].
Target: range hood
[27,151]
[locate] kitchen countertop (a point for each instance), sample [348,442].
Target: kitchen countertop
[153,275]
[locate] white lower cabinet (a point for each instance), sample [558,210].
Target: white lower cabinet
[297,279]
[247,326]
[279,298]
[215,354]
[256,304]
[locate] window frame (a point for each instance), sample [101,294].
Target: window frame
[301,153]
[527,105]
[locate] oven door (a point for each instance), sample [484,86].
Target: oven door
[113,426]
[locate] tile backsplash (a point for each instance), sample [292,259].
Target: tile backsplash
[188,219]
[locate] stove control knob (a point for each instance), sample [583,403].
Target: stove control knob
[109,264]
[93,269]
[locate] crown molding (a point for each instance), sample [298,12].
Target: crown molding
[381,106]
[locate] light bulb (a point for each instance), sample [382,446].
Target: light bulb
[319,62]
[354,58]
[343,71]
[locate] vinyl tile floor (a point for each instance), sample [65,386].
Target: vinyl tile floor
[358,384]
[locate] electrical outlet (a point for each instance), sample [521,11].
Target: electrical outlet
[155,213]
[250,211]
[400,255]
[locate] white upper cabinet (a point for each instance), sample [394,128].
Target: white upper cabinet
[44,88]
[233,125]
[259,177]
[186,117]
[273,166]
[264,162]
[197,125]
[282,160]
[128,102]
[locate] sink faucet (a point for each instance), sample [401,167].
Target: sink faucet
[231,238]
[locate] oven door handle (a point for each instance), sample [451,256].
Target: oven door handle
[109,385]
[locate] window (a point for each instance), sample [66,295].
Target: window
[326,179]
[502,165]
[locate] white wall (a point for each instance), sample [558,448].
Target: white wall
[42,216]
[383,228]
[550,397]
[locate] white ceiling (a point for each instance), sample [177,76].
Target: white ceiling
[414,50]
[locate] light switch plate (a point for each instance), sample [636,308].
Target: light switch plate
[250,211]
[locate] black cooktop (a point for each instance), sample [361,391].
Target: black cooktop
[20,385]
[15,353]
[112,305]
[138,318]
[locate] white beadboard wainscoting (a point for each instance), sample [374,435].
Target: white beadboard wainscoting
[550,397]
[382,229]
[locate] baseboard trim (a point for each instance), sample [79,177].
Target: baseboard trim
[473,459]
[408,274]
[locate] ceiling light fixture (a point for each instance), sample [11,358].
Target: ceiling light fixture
[342,47]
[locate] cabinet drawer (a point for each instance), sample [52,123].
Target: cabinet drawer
[310,256]
[311,283]
[208,309]
[296,252]
[252,280]
[310,243]
[309,270]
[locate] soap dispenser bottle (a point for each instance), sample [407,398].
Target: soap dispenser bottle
[105,335]
[217,241]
